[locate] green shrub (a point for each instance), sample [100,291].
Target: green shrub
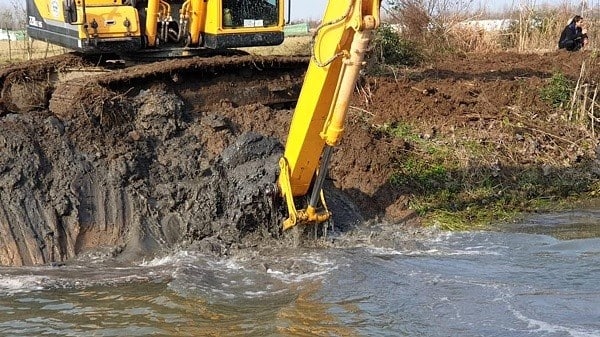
[558,91]
[420,176]
[458,182]
[388,48]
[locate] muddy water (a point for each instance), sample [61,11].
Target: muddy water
[538,277]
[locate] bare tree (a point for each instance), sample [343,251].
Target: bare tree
[418,18]
[439,15]
[20,12]
[7,23]
[7,18]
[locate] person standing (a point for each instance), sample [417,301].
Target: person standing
[574,36]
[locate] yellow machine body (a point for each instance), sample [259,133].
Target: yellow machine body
[127,26]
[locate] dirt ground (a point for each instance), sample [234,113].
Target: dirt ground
[147,164]
[466,97]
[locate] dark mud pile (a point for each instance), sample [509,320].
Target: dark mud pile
[148,181]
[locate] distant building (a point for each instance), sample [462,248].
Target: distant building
[12,35]
[480,25]
[488,25]
[296,29]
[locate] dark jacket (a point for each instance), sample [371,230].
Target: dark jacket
[571,38]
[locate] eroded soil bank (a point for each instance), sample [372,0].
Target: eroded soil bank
[168,174]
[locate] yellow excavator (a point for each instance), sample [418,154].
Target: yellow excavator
[168,27]
[318,123]
[176,27]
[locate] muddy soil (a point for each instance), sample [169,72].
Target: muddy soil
[165,172]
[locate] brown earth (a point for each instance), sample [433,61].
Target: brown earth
[161,169]
[488,98]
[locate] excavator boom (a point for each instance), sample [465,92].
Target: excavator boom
[317,126]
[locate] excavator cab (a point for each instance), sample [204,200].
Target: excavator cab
[246,23]
[130,26]
[242,14]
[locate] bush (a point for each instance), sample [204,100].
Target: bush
[558,91]
[388,48]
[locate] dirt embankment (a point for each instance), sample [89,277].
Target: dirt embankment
[151,182]
[167,173]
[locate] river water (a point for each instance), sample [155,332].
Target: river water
[537,277]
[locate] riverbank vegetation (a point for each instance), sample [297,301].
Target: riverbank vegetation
[515,159]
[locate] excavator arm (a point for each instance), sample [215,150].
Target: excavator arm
[317,126]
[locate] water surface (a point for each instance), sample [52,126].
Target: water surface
[538,277]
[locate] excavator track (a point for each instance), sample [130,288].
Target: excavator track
[27,85]
[71,84]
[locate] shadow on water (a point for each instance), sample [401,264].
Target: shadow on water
[564,225]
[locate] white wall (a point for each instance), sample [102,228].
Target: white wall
[6,35]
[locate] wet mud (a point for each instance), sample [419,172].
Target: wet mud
[146,184]
[140,167]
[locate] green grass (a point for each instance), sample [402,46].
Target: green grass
[558,91]
[458,185]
